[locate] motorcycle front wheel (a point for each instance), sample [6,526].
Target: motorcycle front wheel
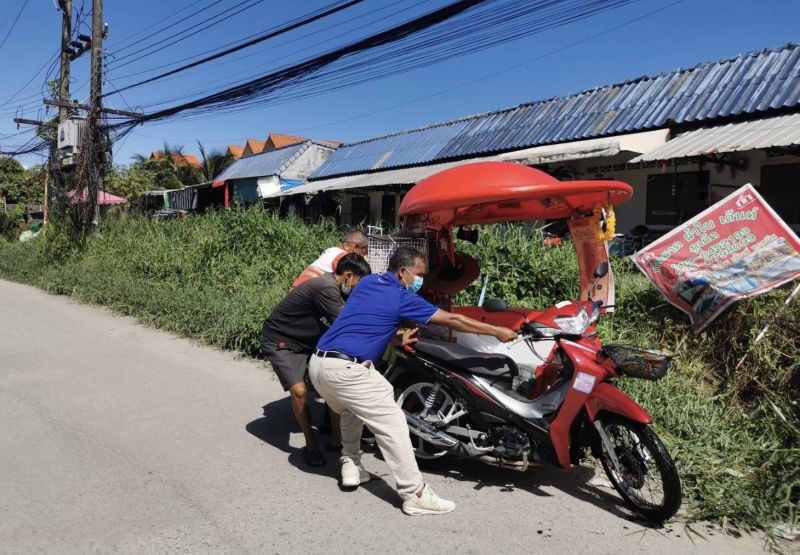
[648,481]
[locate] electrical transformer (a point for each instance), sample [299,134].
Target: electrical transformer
[70,137]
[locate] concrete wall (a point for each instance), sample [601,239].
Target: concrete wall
[307,162]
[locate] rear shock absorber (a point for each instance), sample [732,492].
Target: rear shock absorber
[433,395]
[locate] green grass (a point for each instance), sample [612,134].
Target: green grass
[733,433]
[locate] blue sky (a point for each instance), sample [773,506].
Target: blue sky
[620,44]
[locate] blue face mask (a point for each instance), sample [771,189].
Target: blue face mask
[415,286]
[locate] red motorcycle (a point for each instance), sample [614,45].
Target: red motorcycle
[463,402]
[549,396]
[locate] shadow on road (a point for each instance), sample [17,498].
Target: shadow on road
[277,423]
[574,483]
[275,427]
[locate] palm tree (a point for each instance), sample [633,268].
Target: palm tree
[213,162]
[169,152]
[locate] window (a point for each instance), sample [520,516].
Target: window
[779,187]
[388,212]
[359,210]
[673,198]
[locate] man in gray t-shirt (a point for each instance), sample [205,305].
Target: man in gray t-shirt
[290,334]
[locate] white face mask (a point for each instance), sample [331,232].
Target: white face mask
[345,288]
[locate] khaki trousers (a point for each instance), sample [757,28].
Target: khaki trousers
[361,395]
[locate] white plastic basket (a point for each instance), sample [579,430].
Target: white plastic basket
[381,248]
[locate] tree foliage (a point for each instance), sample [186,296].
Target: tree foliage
[163,173]
[19,185]
[214,162]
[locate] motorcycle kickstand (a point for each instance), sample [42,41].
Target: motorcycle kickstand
[607,446]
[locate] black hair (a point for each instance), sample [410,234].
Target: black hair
[403,257]
[353,263]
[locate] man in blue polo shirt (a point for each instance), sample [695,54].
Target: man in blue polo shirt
[342,372]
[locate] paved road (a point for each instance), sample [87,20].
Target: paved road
[120,438]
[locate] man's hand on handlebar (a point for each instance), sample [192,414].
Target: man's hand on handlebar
[505,335]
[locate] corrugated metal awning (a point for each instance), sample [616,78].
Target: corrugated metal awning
[750,135]
[591,148]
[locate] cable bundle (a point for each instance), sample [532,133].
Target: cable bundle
[458,28]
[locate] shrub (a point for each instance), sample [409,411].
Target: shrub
[734,433]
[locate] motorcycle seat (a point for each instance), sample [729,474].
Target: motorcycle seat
[464,358]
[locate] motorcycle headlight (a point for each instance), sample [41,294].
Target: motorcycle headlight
[595,314]
[574,325]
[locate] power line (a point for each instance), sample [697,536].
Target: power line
[437,36]
[492,74]
[14,24]
[161,20]
[212,21]
[283,30]
[302,37]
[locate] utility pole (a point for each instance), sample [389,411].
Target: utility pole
[97,148]
[66,36]
[63,95]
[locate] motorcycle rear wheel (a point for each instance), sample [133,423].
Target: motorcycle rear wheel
[410,394]
[649,482]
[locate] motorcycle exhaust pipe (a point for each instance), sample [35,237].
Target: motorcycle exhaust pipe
[430,434]
[519,466]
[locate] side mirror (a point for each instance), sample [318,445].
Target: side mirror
[495,305]
[601,270]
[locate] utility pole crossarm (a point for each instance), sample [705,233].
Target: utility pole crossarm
[77,106]
[35,122]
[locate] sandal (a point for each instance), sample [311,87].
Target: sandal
[313,457]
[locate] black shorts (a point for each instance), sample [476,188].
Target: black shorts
[290,366]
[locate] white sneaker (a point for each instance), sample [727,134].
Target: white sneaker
[427,503]
[353,473]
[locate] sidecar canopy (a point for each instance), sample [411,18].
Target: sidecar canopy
[496,192]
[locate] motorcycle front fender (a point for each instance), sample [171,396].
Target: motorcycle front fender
[606,397]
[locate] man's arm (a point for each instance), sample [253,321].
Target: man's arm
[460,322]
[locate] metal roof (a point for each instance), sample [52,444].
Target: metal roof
[272,162]
[749,135]
[750,83]
[401,176]
[634,142]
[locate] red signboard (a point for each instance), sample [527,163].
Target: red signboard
[737,248]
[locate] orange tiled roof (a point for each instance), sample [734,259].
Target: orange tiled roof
[279,140]
[253,146]
[235,151]
[179,159]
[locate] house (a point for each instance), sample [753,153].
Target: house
[682,139]
[273,141]
[252,178]
[253,146]
[278,140]
[235,151]
[180,160]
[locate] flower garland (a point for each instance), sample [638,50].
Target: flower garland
[610,222]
